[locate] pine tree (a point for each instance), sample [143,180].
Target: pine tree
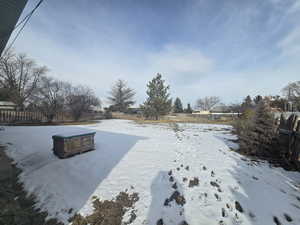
[121,96]
[188,109]
[257,138]
[158,102]
[178,106]
[257,99]
[247,104]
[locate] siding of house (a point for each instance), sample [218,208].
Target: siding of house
[10,11]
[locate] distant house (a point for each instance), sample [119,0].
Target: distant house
[6,105]
[95,109]
[134,111]
[200,112]
[220,109]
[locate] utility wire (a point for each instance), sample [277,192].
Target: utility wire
[29,14]
[24,21]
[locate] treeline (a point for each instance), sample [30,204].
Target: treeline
[157,104]
[27,84]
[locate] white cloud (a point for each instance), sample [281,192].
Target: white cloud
[107,49]
[175,59]
[290,44]
[295,7]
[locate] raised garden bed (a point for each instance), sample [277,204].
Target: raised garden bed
[68,145]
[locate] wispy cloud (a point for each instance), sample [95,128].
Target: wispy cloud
[290,45]
[226,48]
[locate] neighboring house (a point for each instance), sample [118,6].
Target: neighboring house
[95,109]
[220,109]
[201,112]
[134,111]
[5,105]
[10,11]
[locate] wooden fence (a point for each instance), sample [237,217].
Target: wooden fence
[7,117]
[289,137]
[15,117]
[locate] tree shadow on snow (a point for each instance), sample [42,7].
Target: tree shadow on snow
[159,212]
[261,194]
[63,184]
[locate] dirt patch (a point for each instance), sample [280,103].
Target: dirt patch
[17,208]
[194,182]
[109,212]
[177,197]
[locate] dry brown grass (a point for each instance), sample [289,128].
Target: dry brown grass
[16,206]
[168,119]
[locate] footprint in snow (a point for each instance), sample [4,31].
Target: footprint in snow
[218,197]
[214,184]
[287,217]
[224,213]
[221,222]
[276,221]
[229,207]
[212,174]
[238,207]
[252,215]
[237,219]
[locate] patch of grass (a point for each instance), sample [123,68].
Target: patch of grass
[17,208]
[173,119]
[109,212]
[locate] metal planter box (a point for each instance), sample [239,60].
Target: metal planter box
[68,145]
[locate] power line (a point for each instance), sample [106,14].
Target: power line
[24,21]
[29,14]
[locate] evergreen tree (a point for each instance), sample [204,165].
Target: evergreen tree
[188,109]
[178,106]
[247,104]
[158,102]
[121,96]
[257,138]
[257,99]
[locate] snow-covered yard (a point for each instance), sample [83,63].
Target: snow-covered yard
[139,158]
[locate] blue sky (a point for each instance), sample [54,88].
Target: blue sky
[226,48]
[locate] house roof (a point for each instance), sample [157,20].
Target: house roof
[10,11]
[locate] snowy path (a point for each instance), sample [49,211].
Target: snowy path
[139,158]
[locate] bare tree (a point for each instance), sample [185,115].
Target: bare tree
[121,96]
[79,100]
[292,93]
[19,75]
[207,103]
[49,97]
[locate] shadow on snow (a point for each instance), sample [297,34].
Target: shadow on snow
[64,183]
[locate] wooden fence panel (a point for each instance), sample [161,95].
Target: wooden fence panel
[289,137]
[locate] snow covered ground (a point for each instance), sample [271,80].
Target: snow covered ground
[139,158]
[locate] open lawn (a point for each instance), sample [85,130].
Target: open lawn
[183,173]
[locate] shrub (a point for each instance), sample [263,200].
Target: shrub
[256,131]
